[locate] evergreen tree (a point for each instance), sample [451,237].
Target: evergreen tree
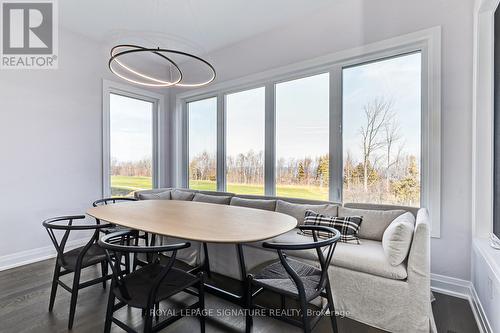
[407,189]
[301,173]
[322,171]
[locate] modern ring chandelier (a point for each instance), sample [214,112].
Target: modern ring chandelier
[133,75]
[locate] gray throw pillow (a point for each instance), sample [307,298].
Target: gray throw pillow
[374,221]
[254,203]
[182,195]
[397,238]
[215,199]
[299,210]
[154,196]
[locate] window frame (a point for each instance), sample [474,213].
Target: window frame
[331,146]
[185,140]
[157,100]
[224,132]
[339,156]
[427,42]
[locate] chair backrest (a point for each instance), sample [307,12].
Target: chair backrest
[114,243]
[64,224]
[321,245]
[108,201]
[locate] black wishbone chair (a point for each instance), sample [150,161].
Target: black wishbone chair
[296,279]
[75,260]
[108,201]
[136,235]
[146,287]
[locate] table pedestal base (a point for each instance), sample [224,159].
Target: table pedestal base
[234,296]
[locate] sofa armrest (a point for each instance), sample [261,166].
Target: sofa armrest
[419,259]
[419,270]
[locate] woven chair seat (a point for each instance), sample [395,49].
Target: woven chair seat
[275,277]
[138,284]
[94,255]
[114,228]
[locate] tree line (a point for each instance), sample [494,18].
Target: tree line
[383,172]
[141,168]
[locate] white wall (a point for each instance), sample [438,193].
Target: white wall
[352,23]
[50,144]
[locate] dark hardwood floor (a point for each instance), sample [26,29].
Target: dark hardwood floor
[24,294]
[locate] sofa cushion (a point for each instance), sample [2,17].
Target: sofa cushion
[154,196]
[374,221]
[368,257]
[215,199]
[254,203]
[299,210]
[396,240]
[348,226]
[182,195]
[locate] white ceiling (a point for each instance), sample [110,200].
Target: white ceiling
[197,25]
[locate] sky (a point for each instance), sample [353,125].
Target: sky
[131,128]
[302,119]
[202,126]
[245,121]
[395,79]
[301,114]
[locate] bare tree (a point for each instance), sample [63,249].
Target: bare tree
[391,136]
[377,112]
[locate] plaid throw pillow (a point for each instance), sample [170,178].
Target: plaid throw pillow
[348,226]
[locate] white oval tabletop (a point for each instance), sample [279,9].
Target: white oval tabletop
[211,223]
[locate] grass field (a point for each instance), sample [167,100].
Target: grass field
[124,185]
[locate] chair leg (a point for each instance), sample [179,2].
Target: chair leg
[305,318]
[206,260]
[127,263]
[331,307]
[53,290]
[148,321]
[201,300]
[135,261]
[109,311]
[157,311]
[104,272]
[74,297]
[249,305]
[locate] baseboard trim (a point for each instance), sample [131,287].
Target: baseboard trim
[30,256]
[462,289]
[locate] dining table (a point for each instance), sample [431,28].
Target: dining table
[202,222]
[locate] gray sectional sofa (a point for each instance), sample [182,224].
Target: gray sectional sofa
[366,286]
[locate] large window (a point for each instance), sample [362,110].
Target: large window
[202,123]
[130,144]
[357,130]
[382,132]
[302,139]
[245,135]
